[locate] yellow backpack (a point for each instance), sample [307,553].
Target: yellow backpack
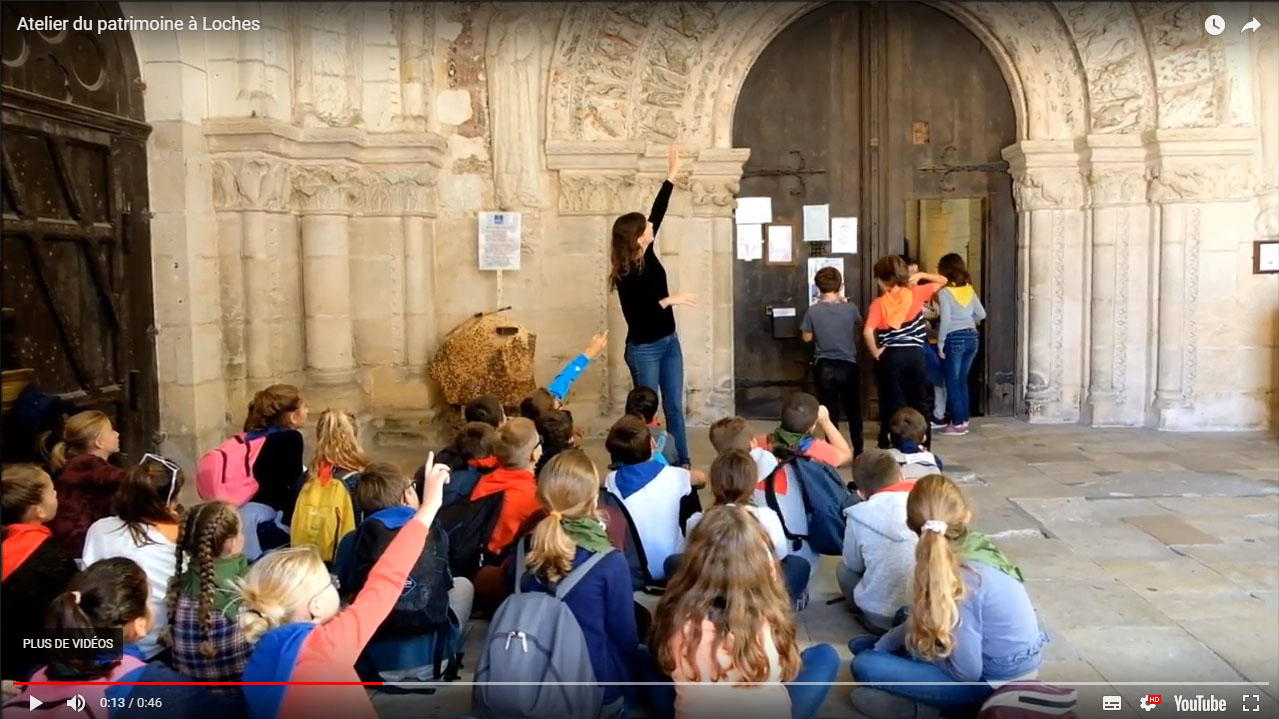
[323,514]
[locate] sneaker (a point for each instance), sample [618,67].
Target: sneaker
[940,423]
[955,430]
[802,603]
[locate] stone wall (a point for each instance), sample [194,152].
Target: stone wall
[315,186]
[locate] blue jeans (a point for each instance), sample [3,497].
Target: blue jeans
[876,669]
[660,367]
[818,666]
[961,349]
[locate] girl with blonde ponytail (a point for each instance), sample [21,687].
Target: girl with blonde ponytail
[602,601]
[85,481]
[970,627]
[325,511]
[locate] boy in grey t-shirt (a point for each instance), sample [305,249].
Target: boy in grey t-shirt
[832,323]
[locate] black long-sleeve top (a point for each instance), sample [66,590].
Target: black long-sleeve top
[642,291]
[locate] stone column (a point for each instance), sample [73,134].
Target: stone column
[327,198]
[1202,181]
[1120,223]
[1049,195]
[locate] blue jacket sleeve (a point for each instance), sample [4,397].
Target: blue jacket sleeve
[564,380]
[619,607]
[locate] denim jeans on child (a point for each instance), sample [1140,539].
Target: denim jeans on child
[660,367]
[936,688]
[961,349]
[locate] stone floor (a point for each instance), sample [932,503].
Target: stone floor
[1152,558]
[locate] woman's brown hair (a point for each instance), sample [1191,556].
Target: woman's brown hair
[937,586]
[733,478]
[202,537]
[567,488]
[730,578]
[270,407]
[952,267]
[108,594]
[148,495]
[23,488]
[626,259]
[891,269]
[78,433]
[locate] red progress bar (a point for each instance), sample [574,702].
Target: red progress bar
[204,684]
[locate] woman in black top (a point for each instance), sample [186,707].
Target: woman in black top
[653,353]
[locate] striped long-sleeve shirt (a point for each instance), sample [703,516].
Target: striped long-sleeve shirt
[898,316]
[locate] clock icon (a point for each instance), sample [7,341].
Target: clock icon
[1215,24]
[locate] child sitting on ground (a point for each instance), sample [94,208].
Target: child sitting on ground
[653,493]
[879,550]
[203,633]
[435,605]
[642,403]
[724,630]
[732,433]
[85,481]
[551,397]
[733,482]
[113,596]
[33,567]
[971,622]
[487,409]
[517,448]
[324,512]
[558,434]
[907,432]
[292,614]
[470,456]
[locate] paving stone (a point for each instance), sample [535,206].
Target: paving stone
[1256,660]
[1257,576]
[1239,605]
[1231,506]
[1176,484]
[1244,550]
[1124,653]
[1180,574]
[1171,529]
[1050,559]
[1118,541]
[1103,601]
[1234,528]
[1052,511]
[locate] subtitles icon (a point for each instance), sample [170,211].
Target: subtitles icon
[1112,703]
[1150,701]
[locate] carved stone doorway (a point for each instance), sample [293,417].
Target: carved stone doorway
[76,247]
[877,109]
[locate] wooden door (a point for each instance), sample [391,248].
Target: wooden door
[873,108]
[76,287]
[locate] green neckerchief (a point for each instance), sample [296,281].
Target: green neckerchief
[782,438]
[587,533]
[225,571]
[978,548]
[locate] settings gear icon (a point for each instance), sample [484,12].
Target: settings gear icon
[1149,702]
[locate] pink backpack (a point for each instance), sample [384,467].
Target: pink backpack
[69,701]
[226,472]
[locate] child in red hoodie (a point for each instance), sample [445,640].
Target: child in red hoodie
[293,615]
[517,447]
[34,569]
[84,479]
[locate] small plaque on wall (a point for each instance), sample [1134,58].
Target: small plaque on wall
[1265,257]
[919,133]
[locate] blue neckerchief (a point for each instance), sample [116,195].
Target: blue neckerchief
[273,660]
[133,651]
[907,446]
[393,517]
[264,432]
[631,478]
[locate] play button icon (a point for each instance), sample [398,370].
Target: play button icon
[34,703]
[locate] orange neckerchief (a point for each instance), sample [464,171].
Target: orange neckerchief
[20,542]
[896,305]
[898,487]
[483,463]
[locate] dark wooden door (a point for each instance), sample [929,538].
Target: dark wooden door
[74,241]
[875,108]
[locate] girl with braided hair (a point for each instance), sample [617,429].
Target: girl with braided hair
[207,642]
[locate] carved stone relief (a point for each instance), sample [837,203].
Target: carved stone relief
[1120,88]
[715,192]
[326,188]
[1118,186]
[413,24]
[252,184]
[1048,189]
[1188,89]
[594,194]
[328,48]
[1201,182]
[515,92]
[397,191]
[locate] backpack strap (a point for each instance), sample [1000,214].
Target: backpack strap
[770,498]
[519,562]
[579,573]
[635,542]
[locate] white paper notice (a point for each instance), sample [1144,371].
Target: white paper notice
[815,264]
[781,248]
[816,223]
[754,210]
[750,242]
[843,235]
[1268,260]
[499,240]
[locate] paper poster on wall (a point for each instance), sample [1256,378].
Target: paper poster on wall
[816,223]
[815,264]
[781,247]
[499,240]
[750,242]
[754,210]
[843,235]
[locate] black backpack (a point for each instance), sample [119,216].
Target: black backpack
[469,525]
[423,605]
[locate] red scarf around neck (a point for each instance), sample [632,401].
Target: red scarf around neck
[20,542]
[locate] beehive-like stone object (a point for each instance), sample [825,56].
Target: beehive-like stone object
[487,354]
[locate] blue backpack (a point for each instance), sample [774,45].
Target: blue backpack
[825,499]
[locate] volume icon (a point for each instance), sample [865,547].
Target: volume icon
[76,702]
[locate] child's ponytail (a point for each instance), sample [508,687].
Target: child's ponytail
[109,594]
[276,586]
[78,433]
[568,488]
[937,512]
